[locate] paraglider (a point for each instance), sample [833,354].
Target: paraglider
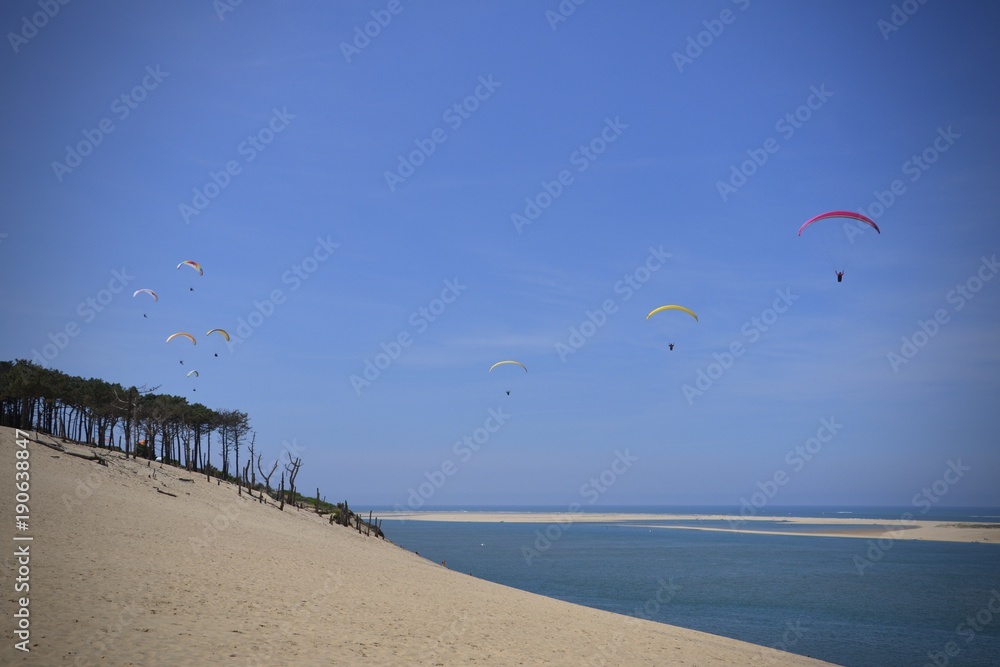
[221,332]
[504,363]
[182,334]
[672,307]
[680,308]
[851,215]
[193,264]
[501,363]
[843,243]
[190,373]
[145,291]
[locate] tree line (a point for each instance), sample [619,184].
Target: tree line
[138,422]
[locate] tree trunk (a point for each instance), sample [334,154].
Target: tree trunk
[281,493]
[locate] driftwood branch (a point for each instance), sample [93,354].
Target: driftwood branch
[63,450]
[159,490]
[51,445]
[87,457]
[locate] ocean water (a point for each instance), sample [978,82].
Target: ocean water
[850,601]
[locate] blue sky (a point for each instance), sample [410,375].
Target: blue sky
[257,142]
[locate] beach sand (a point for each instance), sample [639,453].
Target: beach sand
[900,528]
[121,574]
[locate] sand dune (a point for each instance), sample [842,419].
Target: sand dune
[123,575]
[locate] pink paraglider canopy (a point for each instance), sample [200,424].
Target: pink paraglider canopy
[840,214]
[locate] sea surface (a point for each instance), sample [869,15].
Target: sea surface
[850,601]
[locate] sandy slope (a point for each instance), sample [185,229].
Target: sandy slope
[123,575]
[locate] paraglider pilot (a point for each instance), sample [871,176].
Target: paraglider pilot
[840,276]
[671,345]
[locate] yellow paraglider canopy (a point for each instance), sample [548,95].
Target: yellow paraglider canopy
[663,308]
[225,334]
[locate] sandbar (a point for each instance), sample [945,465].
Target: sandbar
[899,528]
